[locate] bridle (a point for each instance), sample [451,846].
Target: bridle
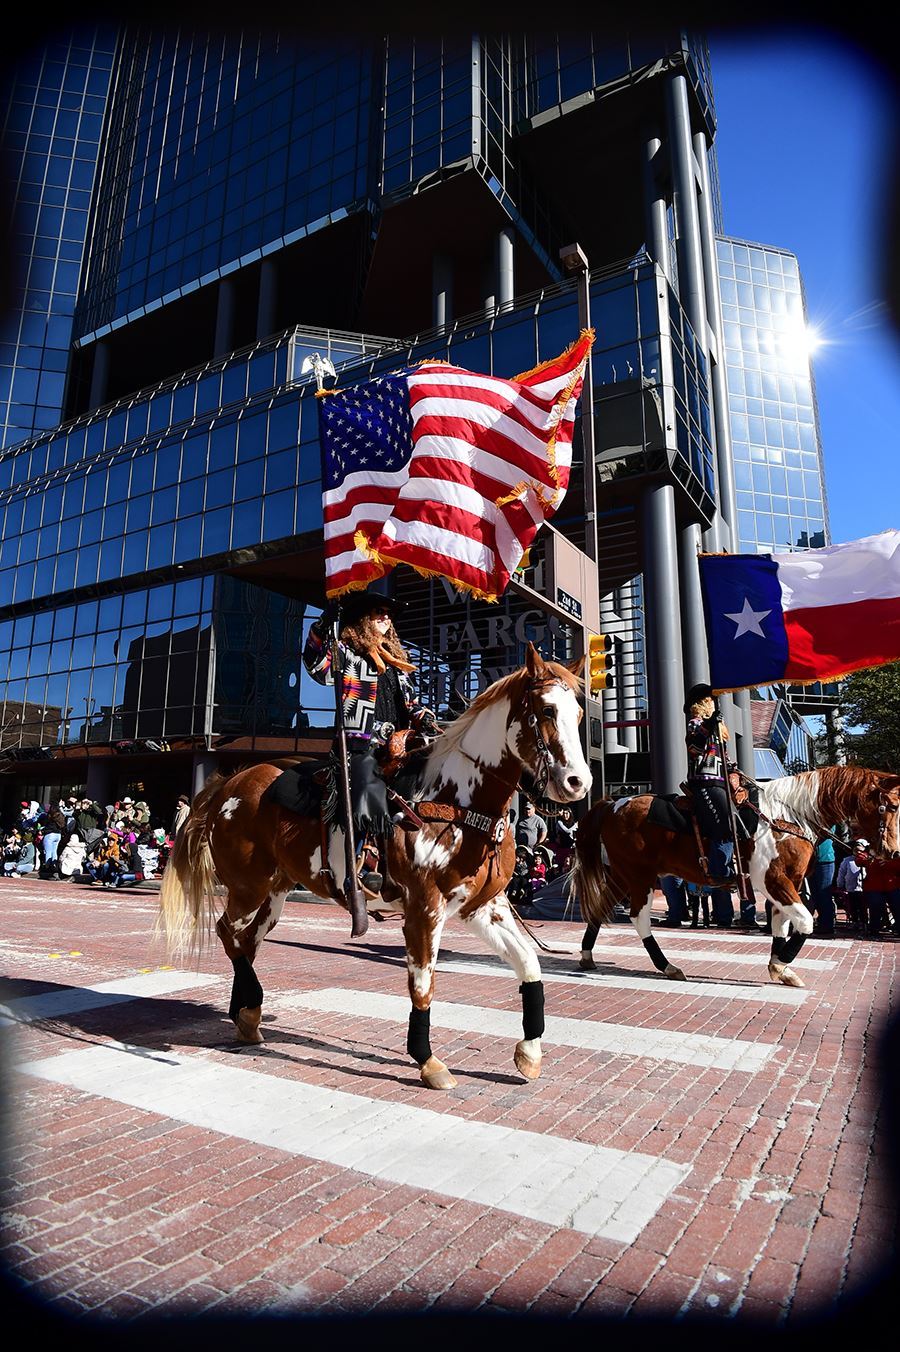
[886,809]
[544,755]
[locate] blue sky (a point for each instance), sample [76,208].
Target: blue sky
[803,144]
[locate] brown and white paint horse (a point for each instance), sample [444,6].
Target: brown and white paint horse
[639,851]
[527,721]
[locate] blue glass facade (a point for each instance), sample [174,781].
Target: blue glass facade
[779,474]
[51,134]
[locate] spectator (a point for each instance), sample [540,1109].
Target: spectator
[850,884]
[55,827]
[19,854]
[106,864]
[821,889]
[880,885]
[140,815]
[538,872]
[182,812]
[519,889]
[71,856]
[675,892]
[89,819]
[532,829]
[566,831]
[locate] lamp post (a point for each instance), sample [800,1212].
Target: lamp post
[575,262]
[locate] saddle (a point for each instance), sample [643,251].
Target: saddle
[675,812]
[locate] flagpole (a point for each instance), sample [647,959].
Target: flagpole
[353,894]
[745,891]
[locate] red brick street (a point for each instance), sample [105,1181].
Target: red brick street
[714,1148]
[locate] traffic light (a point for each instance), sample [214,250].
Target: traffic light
[600,660]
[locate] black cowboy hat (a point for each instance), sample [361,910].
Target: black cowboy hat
[357,603]
[696,694]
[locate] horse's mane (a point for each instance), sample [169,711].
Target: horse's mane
[452,737]
[818,798]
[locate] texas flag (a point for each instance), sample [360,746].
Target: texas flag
[799,618]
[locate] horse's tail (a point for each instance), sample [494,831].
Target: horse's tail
[588,878]
[186,902]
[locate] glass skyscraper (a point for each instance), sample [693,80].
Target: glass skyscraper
[250,199]
[778,470]
[51,135]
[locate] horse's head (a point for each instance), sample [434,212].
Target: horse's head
[878,816]
[543,732]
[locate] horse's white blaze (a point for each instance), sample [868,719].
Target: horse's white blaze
[229,807]
[435,854]
[563,700]
[495,925]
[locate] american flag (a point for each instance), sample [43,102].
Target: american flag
[445,470]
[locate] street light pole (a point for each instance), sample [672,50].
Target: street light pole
[575,262]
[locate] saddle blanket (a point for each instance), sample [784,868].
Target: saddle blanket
[307,788]
[663,812]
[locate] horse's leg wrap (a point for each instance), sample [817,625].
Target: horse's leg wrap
[590,938]
[246,991]
[655,952]
[418,1039]
[532,993]
[792,945]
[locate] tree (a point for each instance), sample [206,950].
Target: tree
[871,701]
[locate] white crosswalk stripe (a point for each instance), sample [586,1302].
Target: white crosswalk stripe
[593,1189]
[690,1049]
[756,992]
[77,999]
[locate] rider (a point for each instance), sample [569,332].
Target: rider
[378,699]
[707,778]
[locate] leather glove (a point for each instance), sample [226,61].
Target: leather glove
[331,612]
[428,723]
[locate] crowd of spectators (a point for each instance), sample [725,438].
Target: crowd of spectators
[543,853]
[76,839]
[842,876]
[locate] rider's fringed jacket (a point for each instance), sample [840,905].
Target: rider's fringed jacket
[371,698]
[704,759]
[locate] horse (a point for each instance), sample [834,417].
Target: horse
[794,813]
[457,862]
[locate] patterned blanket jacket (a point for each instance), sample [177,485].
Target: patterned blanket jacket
[704,760]
[371,698]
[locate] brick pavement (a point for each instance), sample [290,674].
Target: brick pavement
[228,1194]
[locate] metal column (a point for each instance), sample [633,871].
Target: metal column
[99,375]
[203,766]
[665,681]
[693,635]
[224,337]
[505,269]
[268,296]
[441,291]
[655,205]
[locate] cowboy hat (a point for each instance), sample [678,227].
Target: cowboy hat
[357,603]
[696,694]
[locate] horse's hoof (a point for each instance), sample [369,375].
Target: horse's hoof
[674,973]
[526,1065]
[784,974]
[435,1075]
[248,1025]
[587,963]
